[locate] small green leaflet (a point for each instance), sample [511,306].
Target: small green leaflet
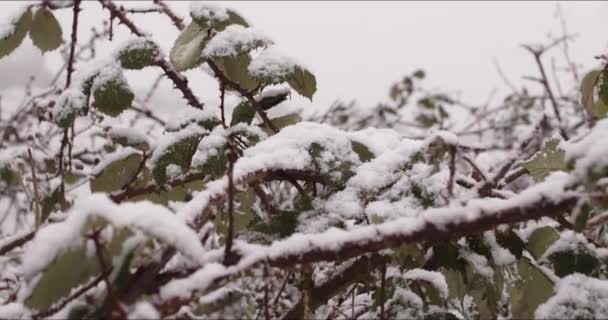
[235,69]
[590,80]
[540,240]
[303,82]
[549,159]
[243,112]
[113,97]
[45,30]
[140,55]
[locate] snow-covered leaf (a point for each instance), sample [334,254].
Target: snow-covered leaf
[111,91]
[176,149]
[213,16]
[138,54]
[129,137]
[235,69]
[19,27]
[45,30]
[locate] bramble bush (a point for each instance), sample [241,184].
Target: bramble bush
[419,207]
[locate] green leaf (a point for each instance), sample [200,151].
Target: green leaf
[9,176]
[243,113]
[112,94]
[180,153]
[282,122]
[303,82]
[600,109]
[588,90]
[235,69]
[45,30]
[14,39]
[549,159]
[580,260]
[540,240]
[116,174]
[528,291]
[362,151]
[139,54]
[187,49]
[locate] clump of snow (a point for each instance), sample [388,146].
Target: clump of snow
[111,72]
[206,11]
[235,39]
[188,115]
[136,43]
[590,151]
[272,66]
[437,279]
[144,310]
[7,28]
[70,102]
[132,136]
[576,297]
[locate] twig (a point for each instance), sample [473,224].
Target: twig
[230,232]
[105,270]
[76,10]
[36,194]
[181,82]
[177,21]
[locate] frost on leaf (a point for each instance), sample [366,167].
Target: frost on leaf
[45,30]
[138,53]
[176,148]
[550,158]
[111,91]
[206,118]
[12,34]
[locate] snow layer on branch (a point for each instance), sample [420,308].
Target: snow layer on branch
[151,219]
[286,150]
[272,65]
[235,39]
[576,297]
[334,239]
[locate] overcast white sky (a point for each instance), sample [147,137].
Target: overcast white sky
[357,49]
